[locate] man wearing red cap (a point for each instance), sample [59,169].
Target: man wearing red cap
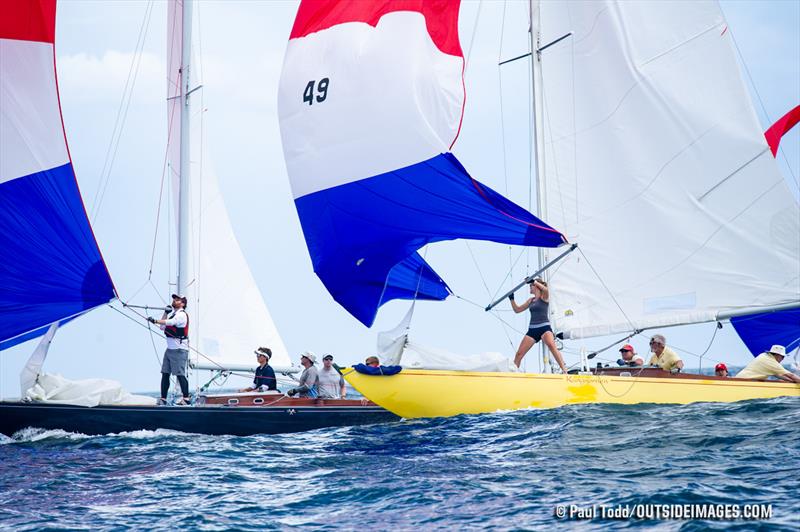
[629,356]
[721,370]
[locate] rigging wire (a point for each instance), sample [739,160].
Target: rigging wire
[502,112]
[122,113]
[472,38]
[614,299]
[761,103]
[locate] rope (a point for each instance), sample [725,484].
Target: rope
[132,310]
[472,38]
[477,267]
[614,299]
[761,103]
[122,114]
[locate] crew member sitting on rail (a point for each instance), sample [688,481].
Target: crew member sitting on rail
[629,356]
[265,375]
[721,370]
[331,382]
[307,386]
[768,364]
[663,356]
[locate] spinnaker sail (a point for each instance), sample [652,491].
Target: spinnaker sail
[657,166]
[51,269]
[371,99]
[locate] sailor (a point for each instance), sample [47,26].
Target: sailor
[175,324]
[331,382]
[629,356]
[721,370]
[663,356]
[539,327]
[768,364]
[372,362]
[307,385]
[265,376]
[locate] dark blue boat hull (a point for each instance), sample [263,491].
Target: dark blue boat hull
[238,421]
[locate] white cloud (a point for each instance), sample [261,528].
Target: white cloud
[90,77]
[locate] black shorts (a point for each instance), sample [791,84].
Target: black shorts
[537,332]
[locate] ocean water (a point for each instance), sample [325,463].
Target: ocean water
[500,471]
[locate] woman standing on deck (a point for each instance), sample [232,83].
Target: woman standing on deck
[539,327]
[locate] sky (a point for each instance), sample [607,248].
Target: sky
[242,45]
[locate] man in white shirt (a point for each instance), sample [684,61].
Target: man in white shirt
[331,382]
[175,324]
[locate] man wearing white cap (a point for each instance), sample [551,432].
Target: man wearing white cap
[307,386]
[175,324]
[768,365]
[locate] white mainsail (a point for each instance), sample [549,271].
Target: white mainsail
[229,318]
[656,165]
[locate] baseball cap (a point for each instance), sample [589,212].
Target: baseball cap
[720,367]
[627,347]
[328,356]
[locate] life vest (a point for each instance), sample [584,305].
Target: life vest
[180,333]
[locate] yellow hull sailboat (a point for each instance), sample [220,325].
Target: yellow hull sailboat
[648,156]
[415,393]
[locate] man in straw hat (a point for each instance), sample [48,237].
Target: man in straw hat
[768,365]
[265,375]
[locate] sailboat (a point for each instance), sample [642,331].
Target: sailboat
[637,106]
[52,270]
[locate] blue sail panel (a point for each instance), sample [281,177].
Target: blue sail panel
[358,233]
[759,332]
[50,266]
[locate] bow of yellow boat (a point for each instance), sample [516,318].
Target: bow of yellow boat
[415,393]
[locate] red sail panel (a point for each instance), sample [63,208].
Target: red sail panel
[28,20]
[780,128]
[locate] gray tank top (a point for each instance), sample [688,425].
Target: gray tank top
[539,313]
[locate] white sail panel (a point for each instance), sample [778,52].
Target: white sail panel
[366,119]
[30,118]
[228,316]
[657,167]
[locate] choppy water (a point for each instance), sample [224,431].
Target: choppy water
[506,470]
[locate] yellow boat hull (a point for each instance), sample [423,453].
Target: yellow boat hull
[431,393]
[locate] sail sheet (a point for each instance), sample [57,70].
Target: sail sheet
[51,269]
[229,316]
[370,102]
[657,167]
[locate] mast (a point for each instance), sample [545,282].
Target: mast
[538,136]
[185,171]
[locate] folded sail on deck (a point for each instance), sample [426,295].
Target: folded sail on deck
[370,103]
[657,166]
[51,269]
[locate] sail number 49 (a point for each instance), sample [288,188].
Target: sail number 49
[321,93]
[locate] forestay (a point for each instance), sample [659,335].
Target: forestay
[51,269]
[229,316]
[657,167]
[370,103]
